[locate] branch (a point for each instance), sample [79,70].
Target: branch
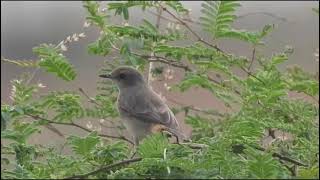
[252,75]
[173,21]
[194,108]
[191,30]
[282,157]
[201,40]
[165,61]
[240,147]
[153,58]
[105,168]
[89,98]
[217,82]
[152,53]
[252,58]
[78,126]
[194,145]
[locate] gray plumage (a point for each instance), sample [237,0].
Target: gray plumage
[139,106]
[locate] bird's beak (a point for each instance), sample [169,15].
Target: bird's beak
[106,76]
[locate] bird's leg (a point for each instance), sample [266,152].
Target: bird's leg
[170,134]
[134,153]
[135,146]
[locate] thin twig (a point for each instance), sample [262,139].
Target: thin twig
[153,58]
[219,83]
[252,58]
[194,108]
[105,168]
[152,53]
[252,75]
[191,30]
[78,126]
[195,145]
[201,40]
[282,157]
[89,98]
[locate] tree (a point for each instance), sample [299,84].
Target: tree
[223,145]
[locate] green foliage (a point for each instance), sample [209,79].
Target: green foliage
[21,92]
[53,61]
[302,81]
[177,6]
[218,17]
[263,166]
[94,16]
[67,106]
[201,127]
[101,47]
[224,145]
[83,146]
[20,133]
[153,146]
[123,8]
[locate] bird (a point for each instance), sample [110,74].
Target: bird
[142,110]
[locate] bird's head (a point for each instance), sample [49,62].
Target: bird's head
[125,77]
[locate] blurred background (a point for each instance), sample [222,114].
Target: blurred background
[25,25]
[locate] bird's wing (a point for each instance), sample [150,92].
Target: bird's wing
[152,110]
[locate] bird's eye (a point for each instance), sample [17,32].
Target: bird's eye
[122,76]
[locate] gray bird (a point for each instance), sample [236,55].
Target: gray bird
[142,110]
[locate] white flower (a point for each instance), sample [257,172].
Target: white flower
[126,24]
[86,24]
[69,39]
[103,9]
[163,41]
[75,37]
[63,47]
[177,27]
[89,125]
[166,86]
[82,35]
[168,74]
[40,85]
[13,93]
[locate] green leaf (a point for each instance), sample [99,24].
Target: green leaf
[54,62]
[66,105]
[262,166]
[217,15]
[21,132]
[94,16]
[316,10]
[177,6]
[125,13]
[278,59]
[4,120]
[153,146]
[102,46]
[308,173]
[200,127]
[84,146]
